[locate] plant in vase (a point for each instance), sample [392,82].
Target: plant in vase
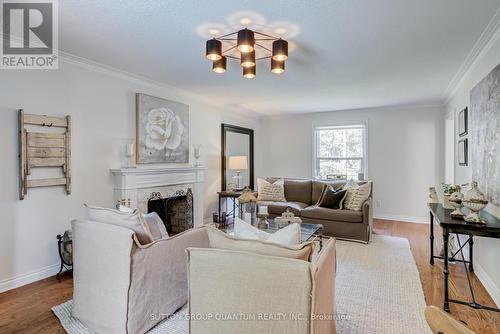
[448,189]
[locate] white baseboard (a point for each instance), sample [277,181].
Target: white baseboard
[409,219]
[23,279]
[488,283]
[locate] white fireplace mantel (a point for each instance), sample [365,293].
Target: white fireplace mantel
[136,184]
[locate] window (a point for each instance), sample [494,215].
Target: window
[340,151]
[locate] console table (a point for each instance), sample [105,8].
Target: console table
[459,226]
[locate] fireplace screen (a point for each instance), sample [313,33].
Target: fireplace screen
[176,211]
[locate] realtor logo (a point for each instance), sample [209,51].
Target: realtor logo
[29,34]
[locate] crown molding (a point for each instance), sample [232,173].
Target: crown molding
[483,44]
[97,67]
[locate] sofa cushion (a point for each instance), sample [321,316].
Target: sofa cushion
[132,220]
[221,240]
[314,212]
[331,199]
[318,187]
[298,191]
[277,208]
[356,196]
[271,191]
[289,235]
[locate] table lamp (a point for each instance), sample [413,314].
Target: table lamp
[238,163]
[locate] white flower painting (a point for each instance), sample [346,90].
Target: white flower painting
[162,130]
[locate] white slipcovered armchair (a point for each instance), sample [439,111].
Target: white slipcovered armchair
[121,286]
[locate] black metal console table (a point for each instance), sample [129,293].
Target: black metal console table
[458,226]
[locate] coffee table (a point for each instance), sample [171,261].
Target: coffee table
[307,231]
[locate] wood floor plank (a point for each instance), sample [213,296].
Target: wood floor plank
[28,309]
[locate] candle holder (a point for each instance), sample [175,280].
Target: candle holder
[129,155]
[196,155]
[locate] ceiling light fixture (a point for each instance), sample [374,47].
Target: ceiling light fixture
[250,72]
[277,66]
[246,42]
[214,49]
[219,66]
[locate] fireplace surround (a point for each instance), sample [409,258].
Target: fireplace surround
[137,185]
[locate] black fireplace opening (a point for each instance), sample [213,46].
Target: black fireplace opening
[175,211]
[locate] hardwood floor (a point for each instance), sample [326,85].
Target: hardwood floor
[28,309]
[432,278]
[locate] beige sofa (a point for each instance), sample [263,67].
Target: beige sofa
[302,196]
[261,294]
[121,286]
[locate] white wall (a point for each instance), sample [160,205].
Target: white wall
[486,251]
[102,106]
[405,153]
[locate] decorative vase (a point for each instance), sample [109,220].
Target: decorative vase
[455,200]
[475,201]
[433,197]
[446,201]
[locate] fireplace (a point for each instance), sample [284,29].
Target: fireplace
[135,186]
[176,211]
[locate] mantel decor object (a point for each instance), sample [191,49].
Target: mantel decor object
[45,147]
[475,201]
[287,217]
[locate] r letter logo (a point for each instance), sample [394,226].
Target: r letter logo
[30,35]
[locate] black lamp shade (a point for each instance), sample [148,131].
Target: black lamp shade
[280,50]
[219,66]
[277,66]
[248,59]
[246,40]
[214,49]
[249,72]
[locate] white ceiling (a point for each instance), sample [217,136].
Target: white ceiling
[347,53]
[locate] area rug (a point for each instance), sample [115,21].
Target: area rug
[377,290]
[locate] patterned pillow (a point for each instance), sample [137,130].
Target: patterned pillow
[273,192]
[356,196]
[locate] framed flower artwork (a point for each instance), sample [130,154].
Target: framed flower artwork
[162,130]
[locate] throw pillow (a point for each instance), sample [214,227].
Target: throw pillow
[357,196]
[273,192]
[331,199]
[156,226]
[221,240]
[289,235]
[133,221]
[349,186]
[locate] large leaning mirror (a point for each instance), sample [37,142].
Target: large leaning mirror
[237,157]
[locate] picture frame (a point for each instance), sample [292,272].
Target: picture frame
[463,122]
[162,130]
[463,152]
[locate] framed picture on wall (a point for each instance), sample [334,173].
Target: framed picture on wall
[463,152]
[463,122]
[162,130]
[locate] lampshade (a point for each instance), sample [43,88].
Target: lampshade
[277,66]
[219,66]
[238,162]
[280,50]
[214,49]
[246,40]
[249,72]
[248,59]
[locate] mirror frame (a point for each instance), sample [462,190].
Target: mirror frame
[225,128]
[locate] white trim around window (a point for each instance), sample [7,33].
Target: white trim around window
[340,124]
